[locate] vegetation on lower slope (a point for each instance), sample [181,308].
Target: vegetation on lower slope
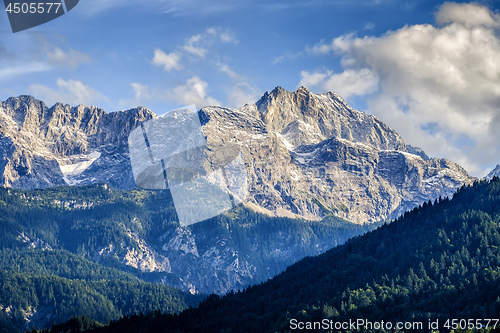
[438,262]
[41,287]
[52,241]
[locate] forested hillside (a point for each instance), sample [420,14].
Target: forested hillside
[103,253]
[439,262]
[42,287]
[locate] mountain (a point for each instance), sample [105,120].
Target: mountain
[494,173]
[313,155]
[43,147]
[138,232]
[305,155]
[438,264]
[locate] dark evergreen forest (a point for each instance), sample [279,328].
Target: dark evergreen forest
[50,238]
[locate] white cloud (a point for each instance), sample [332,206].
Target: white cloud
[140,90]
[212,31]
[445,76]
[348,83]
[40,56]
[288,56]
[369,26]
[13,71]
[71,58]
[194,91]
[197,45]
[313,79]
[168,61]
[228,37]
[71,92]
[197,48]
[224,68]
[242,93]
[320,48]
[141,94]
[468,14]
[192,46]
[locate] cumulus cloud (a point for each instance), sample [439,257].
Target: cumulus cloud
[228,37]
[437,85]
[198,45]
[194,91]
[468,14]
[167,61]
[348,83]
[18,61]
[320,48]
[313,79]
[70,91]
[140,94]
[196,49]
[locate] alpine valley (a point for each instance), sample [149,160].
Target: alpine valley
[318,173]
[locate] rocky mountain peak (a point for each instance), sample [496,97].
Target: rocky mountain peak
[306,118]
[493,173]
[24,110]
[24,102]
[303,90]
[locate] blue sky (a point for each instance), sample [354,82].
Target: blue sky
[429,69]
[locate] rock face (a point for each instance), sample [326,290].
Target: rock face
[305,155]
[43,147]
[312,155]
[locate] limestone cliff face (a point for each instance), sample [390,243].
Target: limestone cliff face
[307,118]
[306,155]
[43,147]
[310,155]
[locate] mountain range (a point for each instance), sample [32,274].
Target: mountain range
[317,172]
[306,155]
